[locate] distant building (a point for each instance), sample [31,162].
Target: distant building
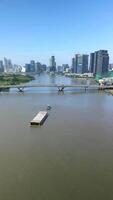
[28,67]
[65,67]
[23,70]
[32,66]
[81,63]
[95,62]
[1,66]
[91,68]
[102,61]
[111,66]
[19,69]
[38,67]
[8,67]
[60,69]
[44,67]
[73,66]
[52,65]
[99,62]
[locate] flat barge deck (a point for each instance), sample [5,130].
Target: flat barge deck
[40,118]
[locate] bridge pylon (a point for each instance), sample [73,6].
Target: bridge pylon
[61,88]
[20,89]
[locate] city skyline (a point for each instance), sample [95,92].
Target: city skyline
[57,63]
[96,63]
[38,29]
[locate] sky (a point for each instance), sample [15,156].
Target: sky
[37,29]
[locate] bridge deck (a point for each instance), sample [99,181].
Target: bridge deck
[57,86]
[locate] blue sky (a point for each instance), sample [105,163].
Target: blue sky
[37,29]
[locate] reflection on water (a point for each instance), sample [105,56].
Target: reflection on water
[59,79]
[70,157]
[55,79]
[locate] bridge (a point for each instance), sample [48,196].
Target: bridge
[60,87]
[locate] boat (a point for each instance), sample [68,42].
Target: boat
[49,107]
[39,118]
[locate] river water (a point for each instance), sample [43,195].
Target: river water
[70,157]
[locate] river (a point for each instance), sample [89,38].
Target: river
[70,157]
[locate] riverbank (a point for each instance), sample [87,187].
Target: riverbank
[12,79]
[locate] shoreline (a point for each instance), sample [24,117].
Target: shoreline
[13,79]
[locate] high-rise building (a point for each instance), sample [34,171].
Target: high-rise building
[27,67]
[91,68]
[1,66]
[73,67]
[99,62]
[38,67]
[95,62]
[52,64]
[8,67]
[35,67]
[32,66]
[81,63]
[85,63]
[102,61]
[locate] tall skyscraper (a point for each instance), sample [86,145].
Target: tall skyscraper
[91,68]
[52,64]
[85,63]
[27,67]
[95,62]
[102,61]
[38,67]
[73,67]
[8,67]
[99,62]
[81,63]
[1,66]
[32,66]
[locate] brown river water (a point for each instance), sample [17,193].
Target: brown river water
[70,157]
